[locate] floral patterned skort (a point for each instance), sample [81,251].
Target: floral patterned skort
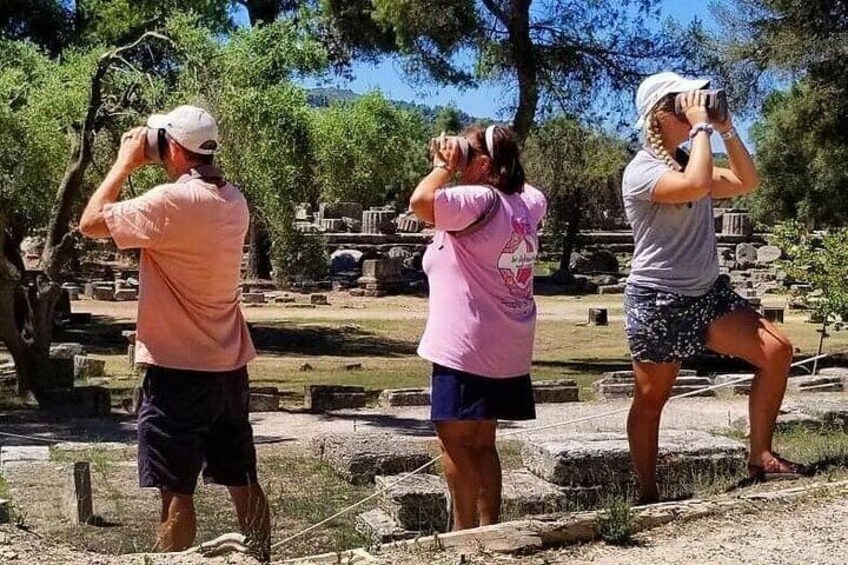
[665,327]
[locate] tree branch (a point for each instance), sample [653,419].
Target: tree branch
[496,11]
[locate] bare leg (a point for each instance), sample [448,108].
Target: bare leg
[179,522]
[254,517]
[461,467]
[746,335]
[491,477]
[654,382]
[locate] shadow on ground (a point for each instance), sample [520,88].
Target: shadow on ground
[117,428]
[331,341]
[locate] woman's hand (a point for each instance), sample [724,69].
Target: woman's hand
[694,106]
[725,126]
[446,152]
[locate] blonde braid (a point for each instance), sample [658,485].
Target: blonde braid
[653,134]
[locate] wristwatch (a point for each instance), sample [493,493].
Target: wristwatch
[697,128]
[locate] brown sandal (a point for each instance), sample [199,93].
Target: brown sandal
[777,469]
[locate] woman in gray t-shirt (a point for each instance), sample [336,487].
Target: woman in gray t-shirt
[676,303]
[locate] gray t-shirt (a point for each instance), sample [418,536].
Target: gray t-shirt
[675,243]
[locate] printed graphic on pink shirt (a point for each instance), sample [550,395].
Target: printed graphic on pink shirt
[515,263]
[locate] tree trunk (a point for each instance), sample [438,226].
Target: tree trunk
[564,276]
[823,332]
[524,57]
[258,252]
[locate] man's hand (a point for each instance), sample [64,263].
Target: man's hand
[131,153]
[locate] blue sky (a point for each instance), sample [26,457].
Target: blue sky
[485,102]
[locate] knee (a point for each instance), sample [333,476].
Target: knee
[780,353]
[648,403]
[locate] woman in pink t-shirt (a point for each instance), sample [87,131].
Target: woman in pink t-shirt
[482,320]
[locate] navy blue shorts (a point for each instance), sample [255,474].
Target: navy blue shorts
[664,327]
[193,421]
[457,395]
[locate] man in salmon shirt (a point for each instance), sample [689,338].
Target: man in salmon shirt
[191,334]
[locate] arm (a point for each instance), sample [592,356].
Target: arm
[130,157]
[741,178]
[695,182]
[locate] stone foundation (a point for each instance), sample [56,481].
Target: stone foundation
[358,458]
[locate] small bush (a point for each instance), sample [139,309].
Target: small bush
[615,524]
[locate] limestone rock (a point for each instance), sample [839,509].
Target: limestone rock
[603,459]
[419,503]
[555,392]
[88,367]
[379,527]
[405,397]
[358,458]
[323,398]
[66,350]
[821,383]
[345,261]
[769,254]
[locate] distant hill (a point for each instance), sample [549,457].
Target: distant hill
[323,97]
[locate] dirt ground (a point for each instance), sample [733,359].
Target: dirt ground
[813,531]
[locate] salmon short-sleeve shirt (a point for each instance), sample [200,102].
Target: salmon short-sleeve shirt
[191,235]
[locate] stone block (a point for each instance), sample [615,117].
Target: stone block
[598,316]
[266,399]
[104,293]
[769,254]
[332,225]
[79,505]
[339,210]
[319,300]
[603,459]
[525,494]
[88,367]
[405,397]
[799,421]
[738,223]
[358,458]
[66,350]
[746,256]
[409,224]
[73,291]
[378,221]
[5,511]
[555,392]
[323,398]
[380,269]
[742,388]
[380,528]
[774,315]
[126,294]
[11,454]
[821,383]
[253,298]
[419,503]
[623,386]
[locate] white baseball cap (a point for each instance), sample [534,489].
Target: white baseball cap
[658,86]
[193,128]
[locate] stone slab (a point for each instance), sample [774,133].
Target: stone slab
[743,388]
[525,494]
[405,397]
[379,527]
[323,398]
[556,392]
[66,350]
[603,459]
[359,458]
[264,401]
[419,503]
[24,453]
[816,384]
[88,367]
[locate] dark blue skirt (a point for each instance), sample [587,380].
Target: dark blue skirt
[457,395]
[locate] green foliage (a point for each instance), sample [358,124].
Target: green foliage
[821,260]
[802,147]
[450,120]
[579,170]
[615,524]
[368,151]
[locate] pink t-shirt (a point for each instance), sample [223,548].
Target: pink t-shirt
[482,314]
[191,234]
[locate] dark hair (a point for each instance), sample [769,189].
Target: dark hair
[506,172]
[199,158]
